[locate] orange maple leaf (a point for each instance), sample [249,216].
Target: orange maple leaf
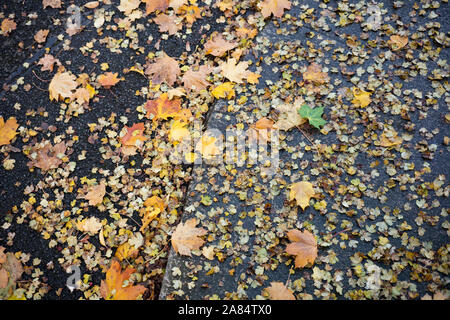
[187,237]
[95,194]
[162,107]
[7,26]
[303,246]
[278,291]
[275,7]
[7,130]
[108,79]
[134,135]
[116,286]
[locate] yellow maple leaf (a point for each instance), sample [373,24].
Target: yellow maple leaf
[361,98]
[224,90]
[178,131]
[8,130]
[302,193]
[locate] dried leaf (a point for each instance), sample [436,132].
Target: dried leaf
[55,4]
[41,35]
[218,46]
[91,225]
[303,246]
[187,237]
[162,107]
[47,62]
[361,98]
[8,130]
[314,74]
[108,79]
[278,291]
[275,7]
[7,26]
[302,193]
[168,23]
[196,80]
[116,286]
[234,71]
[397,42]
[62,86]
[95,194]
[164,69]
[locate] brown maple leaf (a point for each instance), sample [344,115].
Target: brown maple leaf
[62,85]
[47,62]
[127,6]
[168,23]
[8,130]
[314,74]
[218,46]
[164,69]
[187,237]
[154,5]
[303,246]
[7,26]
[41,36]
[95,194]
[275,7]
[116,286]
[162,107]
[196,80]
[278,291]
[45,156]
[108,79]
[55,4]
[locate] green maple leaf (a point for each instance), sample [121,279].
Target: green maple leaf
[314,115]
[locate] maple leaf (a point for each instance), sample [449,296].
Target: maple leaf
[390,138]
[178,131]
[91,225]
[190,13]
[303,246]
[47,62]
[224,90]
[253,78]
[7,26]
[116,286]
[62,86]
[278,291]
[361,98]
[165,69]
[196,80]
[262,127]
[125,250]
[134,136]
[313,115]
[95,194]
[162,107]
[8,130]
[168,23]
[177,4]
[218,46]
[234,71]
[153,207]
[207,147]
[314,74]
[289,116]
[127,6]
[187,237]
[302,193]
[397,42]
[154,5]
[81,95]
[275,7]
[55,4]
[108,79]
[41,36]
[45,156]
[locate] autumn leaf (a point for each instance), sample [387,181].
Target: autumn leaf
[224,90]
[253,78]
[234,71]
[162,107]
[178,130]
[278,291]
[127,6]
[153,207]
[207,147]
[187,237]
[108,79]
[361,98]
[47,62]
[41,36]
[389,138]
[303,245]
[314,115]
[116,286]
[134,136]
[95,194]
[154,5]
[196,80]
[262,127]
[314,74]
[125,251]
[91,225]
[55,4]
[62,86]
[7,26]
[302,193]
[218,46]
[168,23]
[275,7]
[8,130]
[288,115]
[45,156]
[190,13]
[397,42]
[164,69]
